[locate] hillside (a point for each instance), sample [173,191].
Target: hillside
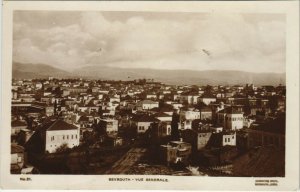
[179,77]
[21,71]
[213,77]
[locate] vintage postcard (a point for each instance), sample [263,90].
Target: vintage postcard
[150,95]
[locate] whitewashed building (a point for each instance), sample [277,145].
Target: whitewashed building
[143,122]
[110,126]
[230,118]
[58,133]
[229,139]
[146,105]
[187,116]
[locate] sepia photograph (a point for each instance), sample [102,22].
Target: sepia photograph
[121,93]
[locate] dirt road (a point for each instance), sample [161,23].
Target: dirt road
[127,161]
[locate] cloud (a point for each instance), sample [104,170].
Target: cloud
[235,41]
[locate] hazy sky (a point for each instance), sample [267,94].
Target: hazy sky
[194,41]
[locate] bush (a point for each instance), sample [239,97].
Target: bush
[63,148]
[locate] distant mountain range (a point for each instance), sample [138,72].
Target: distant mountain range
[30,71]
[178,77]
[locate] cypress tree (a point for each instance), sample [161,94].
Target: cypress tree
[174,127]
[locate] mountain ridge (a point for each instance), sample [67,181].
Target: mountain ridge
[30,71]
[179,77]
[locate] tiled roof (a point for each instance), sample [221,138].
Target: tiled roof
[144,118]
[230,110]
[161,114]
[162,109]
[190,93]
[207,95]
[56,125]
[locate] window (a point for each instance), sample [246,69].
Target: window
[76,136]
[228,139]
[63,137]
[67,136]
[71,136]
[225,140]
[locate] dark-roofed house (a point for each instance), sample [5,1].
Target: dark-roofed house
[187,115]
[231,118]
[85,121]
[143,122]
[146,105]
[207,98]
[163,116]
[53,133]
[168,109]
[222,139]
[110,126]
[17,125]
[205,113]
[190,97]
[198,139]
[161,129]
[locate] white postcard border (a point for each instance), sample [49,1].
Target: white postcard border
[289,182]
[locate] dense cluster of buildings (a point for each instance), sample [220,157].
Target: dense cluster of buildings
[52,115]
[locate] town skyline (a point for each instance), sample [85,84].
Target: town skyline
[143,127]
[163,41]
